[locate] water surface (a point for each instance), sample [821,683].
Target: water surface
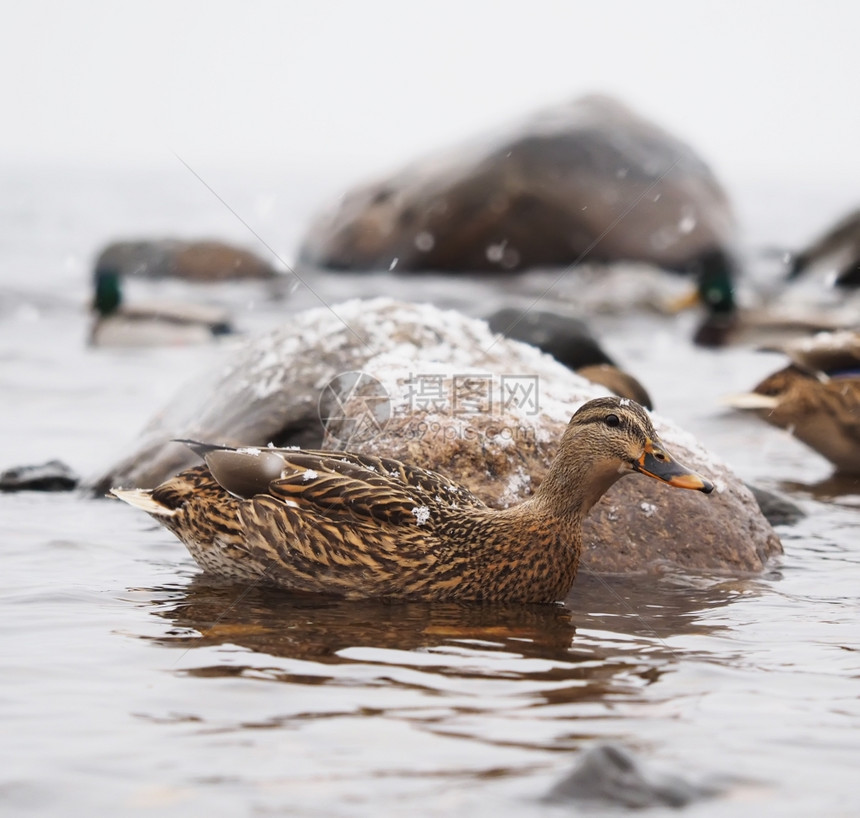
[131,683]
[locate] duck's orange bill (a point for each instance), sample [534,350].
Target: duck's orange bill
[656,463]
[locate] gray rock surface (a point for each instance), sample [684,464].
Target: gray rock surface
[589,179]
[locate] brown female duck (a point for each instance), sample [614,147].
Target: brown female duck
[816,397]
[359,526]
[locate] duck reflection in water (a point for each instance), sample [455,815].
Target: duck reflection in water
[621,638]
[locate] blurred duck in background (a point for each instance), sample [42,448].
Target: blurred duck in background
[150,324]
[838,250]
[816,398]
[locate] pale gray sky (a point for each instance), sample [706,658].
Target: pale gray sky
[758,87]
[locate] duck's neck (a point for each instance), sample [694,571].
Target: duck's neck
[578,478]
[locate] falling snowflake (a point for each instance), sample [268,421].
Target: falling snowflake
[495,252]
[687,224]
[425,241]
[310,474]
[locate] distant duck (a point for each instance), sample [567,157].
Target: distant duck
[839,247]
[358,526]
[822,287]
[816,397]
[155,324]
[714,274]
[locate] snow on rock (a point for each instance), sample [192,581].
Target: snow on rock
[648,508]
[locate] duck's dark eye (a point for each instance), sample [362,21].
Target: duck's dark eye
[612,421]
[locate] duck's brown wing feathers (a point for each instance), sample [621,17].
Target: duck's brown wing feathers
[338,485]
[428,486]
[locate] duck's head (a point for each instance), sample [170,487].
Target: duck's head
[606,439]
[619,429]
[714,271]
[108,292]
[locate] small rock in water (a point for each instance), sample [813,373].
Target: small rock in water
[610,775]
[51,476]
[778,510]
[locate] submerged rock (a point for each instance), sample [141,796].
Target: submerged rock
[778,510]
[589,180]
[51,476]
[191,260]
[440,390]
[610,775]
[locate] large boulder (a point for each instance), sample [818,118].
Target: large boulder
[440,390]
[590,179]
[203,261]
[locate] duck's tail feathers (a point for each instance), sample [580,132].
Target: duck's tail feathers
[199,448]
[143,499]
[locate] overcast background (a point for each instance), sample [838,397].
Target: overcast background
[764,90]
